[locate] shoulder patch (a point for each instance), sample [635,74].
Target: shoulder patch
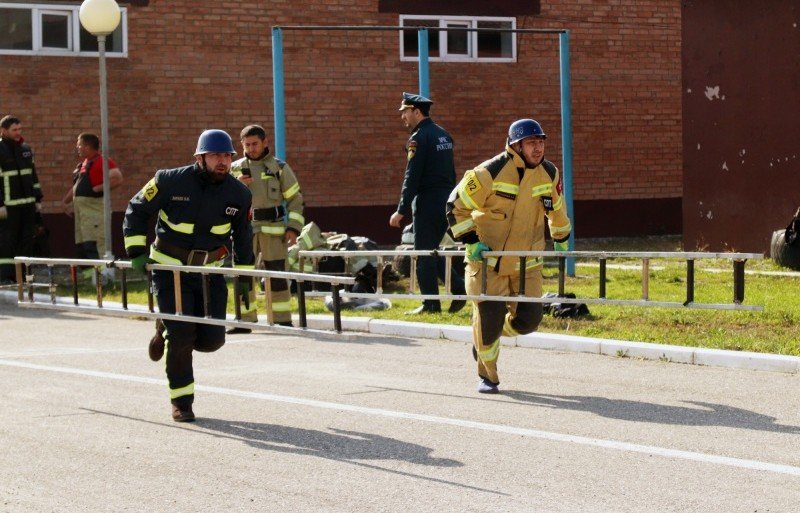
[550,168]
[150,190]
[412,149]
[471,182]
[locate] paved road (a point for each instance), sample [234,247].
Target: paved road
[290,423]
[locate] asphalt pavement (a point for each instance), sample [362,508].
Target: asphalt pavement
[373,422]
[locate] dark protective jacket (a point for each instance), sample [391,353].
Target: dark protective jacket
[19,184]
[193,214]
[430,163]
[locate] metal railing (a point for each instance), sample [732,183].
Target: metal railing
[26,295]
[382,257]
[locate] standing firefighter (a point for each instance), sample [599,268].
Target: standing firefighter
[501,205]
[199,208]
[277,218]
[20,197]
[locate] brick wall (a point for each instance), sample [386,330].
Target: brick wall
[199,64]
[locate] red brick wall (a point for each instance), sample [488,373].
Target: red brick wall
[199,64]
[741,96]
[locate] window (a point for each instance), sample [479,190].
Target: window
[52,29]
[459,43]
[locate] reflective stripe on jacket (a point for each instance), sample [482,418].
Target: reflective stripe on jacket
[193,212]
[274,184]
[19,184]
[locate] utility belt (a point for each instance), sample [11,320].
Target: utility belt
[269,214]
[190,257]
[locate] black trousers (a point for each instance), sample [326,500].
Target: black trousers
[184,337]
[430,225]
[16,238]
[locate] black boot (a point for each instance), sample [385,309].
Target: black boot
[182,409]
[156,347]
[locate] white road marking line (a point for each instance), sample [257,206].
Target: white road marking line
[469,424]
[84,351]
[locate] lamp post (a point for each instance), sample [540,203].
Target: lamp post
[101,18]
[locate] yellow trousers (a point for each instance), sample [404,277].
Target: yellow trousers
[490,319]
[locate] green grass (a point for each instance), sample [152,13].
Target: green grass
[770,331]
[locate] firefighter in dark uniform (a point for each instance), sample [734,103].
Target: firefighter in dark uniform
[199,208]
[20,197]
[430,176]
[502,205]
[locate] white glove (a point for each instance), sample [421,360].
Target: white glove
[38,207]
[3,212]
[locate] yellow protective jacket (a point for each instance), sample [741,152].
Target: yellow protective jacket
[277,200]
[503,203]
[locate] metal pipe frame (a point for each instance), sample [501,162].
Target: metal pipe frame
[21,262]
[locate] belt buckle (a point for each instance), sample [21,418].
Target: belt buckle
[197,252]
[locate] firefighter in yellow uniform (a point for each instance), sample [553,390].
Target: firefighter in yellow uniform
[502,205]
[277,218]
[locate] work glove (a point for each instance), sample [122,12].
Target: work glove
[139,262]
[3,212]
[561,246]
[474,251]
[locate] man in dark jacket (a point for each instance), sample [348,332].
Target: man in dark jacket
[429,178]
[20,197]
[199,207]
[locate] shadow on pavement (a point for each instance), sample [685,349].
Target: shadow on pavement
[704,414]
[350,447]
[337,444]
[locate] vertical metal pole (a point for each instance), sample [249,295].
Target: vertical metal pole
[52,285]
[278,93]
[268,300]
[561,276]
[204,288]
[424,78]
[689,282]
[237,300]
[412,281]
[301,303]
[73,272]
[448,274]
[602,278]
[124,289]
[381,266]
[150,307]
[645,279]
[738,281]
[176,280]
[101,45]
[566,138]
[484,275]
[98,280]
[337,308]
[522,264]
[21,289]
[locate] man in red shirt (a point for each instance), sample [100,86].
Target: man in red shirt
[85,197]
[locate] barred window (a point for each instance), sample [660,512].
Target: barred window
[53,29]
[448,39]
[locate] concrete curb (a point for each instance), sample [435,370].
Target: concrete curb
[574,344]
[550,341]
